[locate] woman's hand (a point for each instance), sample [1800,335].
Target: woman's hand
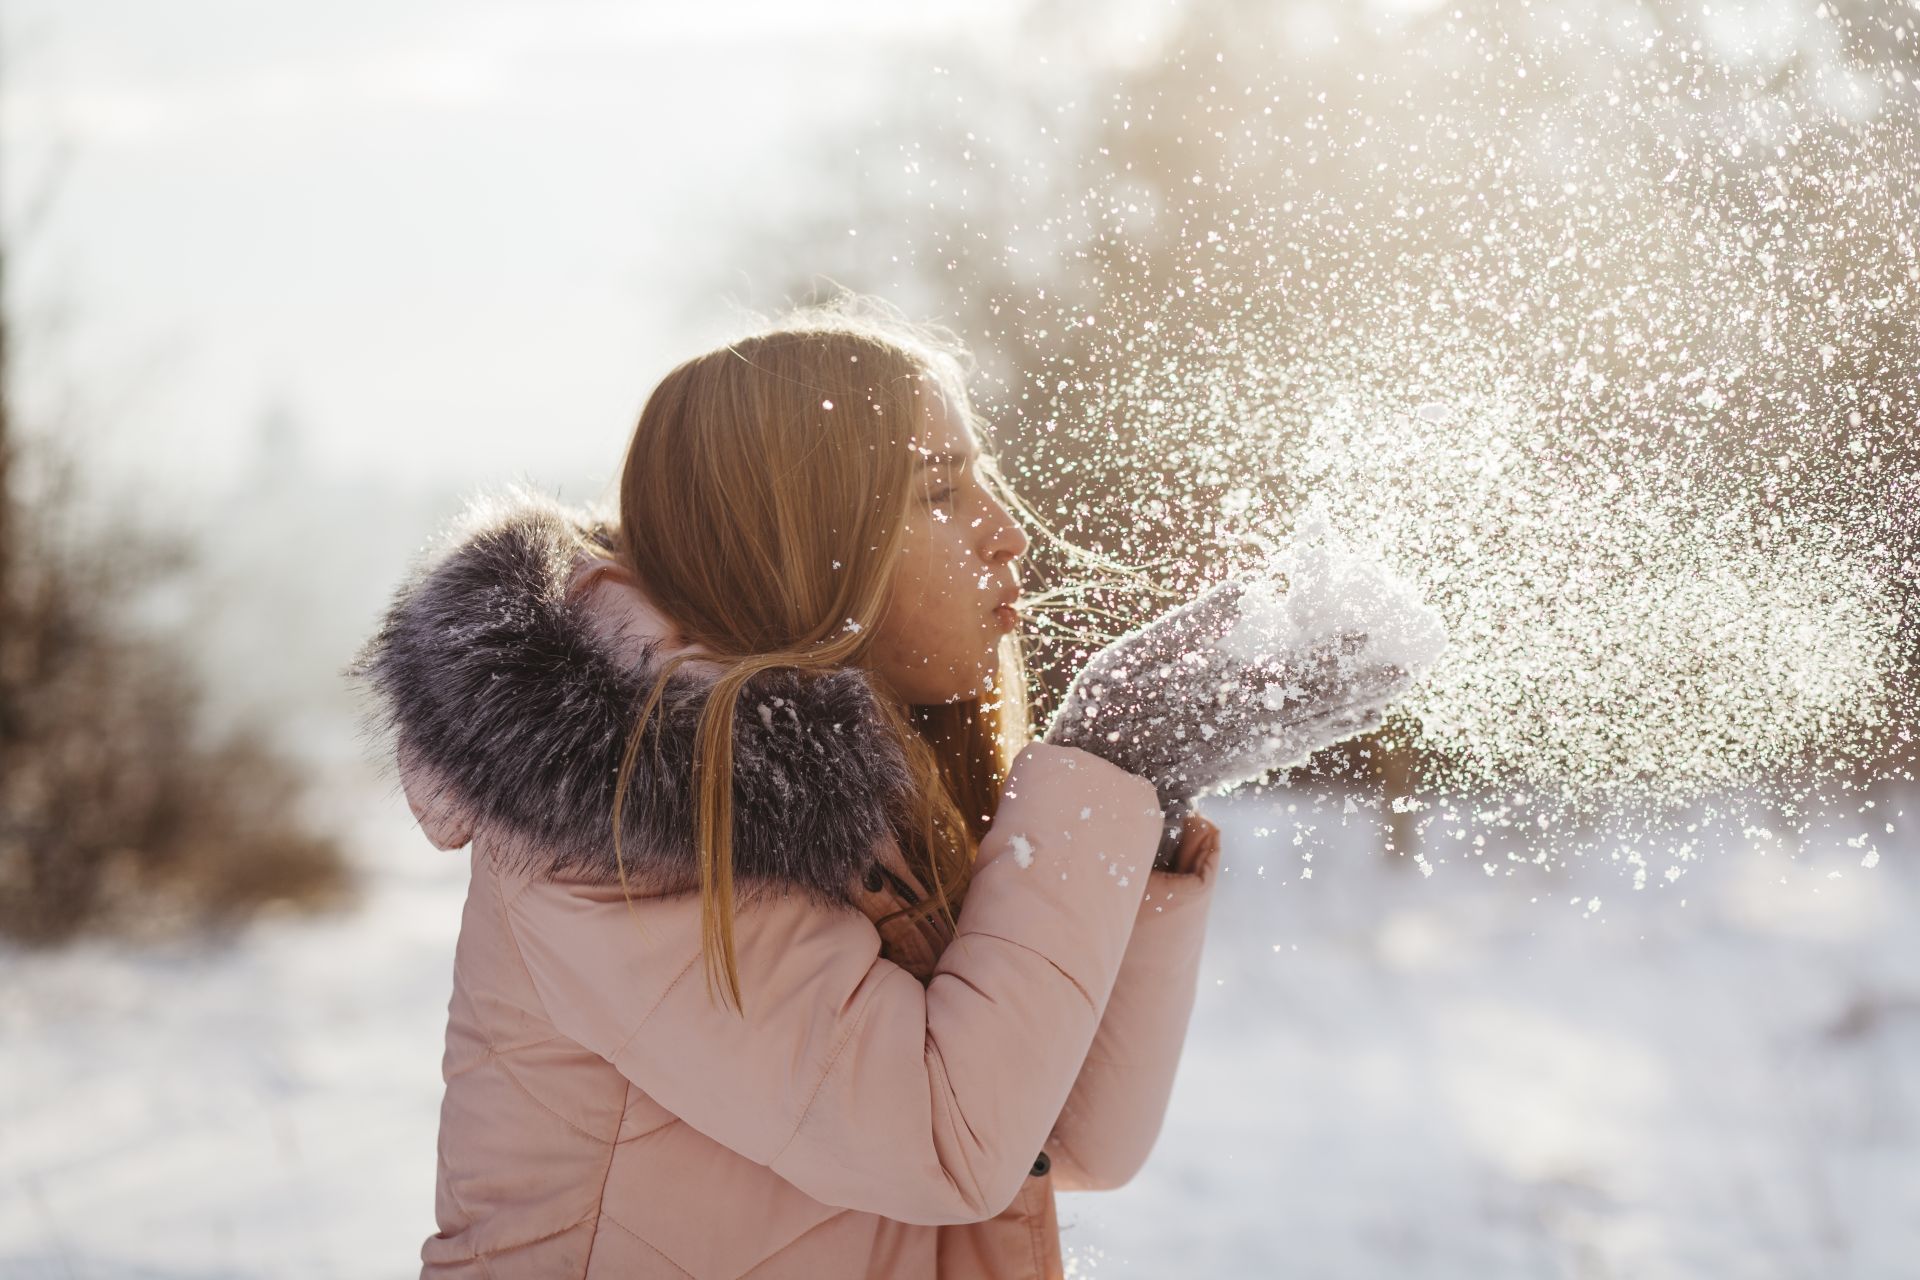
[1192,838]
[1169,702]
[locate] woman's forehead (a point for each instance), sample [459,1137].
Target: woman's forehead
[944,433]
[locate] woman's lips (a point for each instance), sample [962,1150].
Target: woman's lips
[1008,615]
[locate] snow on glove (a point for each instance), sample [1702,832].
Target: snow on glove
[1170,702]
[1250,678]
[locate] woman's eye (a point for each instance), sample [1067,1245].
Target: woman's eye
[941,495]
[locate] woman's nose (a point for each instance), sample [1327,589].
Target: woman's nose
[1009,540]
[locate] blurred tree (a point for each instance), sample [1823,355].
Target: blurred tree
[116,810]
[1110,210]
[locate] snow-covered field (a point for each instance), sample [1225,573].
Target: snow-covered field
[1388,1074]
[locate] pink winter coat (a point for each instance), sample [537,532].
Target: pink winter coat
[897,1101]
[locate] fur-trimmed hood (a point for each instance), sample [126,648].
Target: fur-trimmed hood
[506,676]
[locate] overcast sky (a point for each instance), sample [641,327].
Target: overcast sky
[458,236]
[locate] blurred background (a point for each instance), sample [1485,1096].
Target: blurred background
[280,287]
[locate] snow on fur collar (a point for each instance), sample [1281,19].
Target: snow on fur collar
[492,683]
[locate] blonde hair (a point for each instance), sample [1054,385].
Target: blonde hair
[762,505]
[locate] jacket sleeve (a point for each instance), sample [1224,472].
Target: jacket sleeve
[1113,1114]
[845,1075]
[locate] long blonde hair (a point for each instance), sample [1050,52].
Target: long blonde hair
[762,506]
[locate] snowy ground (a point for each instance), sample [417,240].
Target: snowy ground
[1387,1074]
[1391,1075]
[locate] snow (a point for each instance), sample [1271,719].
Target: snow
[261,1109]
[1446,1076]
[1320,585]
[1387,1073]
[1022,849]
[1647,491]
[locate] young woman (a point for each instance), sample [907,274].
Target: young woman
[786,953]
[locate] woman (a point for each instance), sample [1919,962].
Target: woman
[771,722]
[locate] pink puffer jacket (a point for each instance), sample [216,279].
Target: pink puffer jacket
[896,1102]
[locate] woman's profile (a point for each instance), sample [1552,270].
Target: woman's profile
[789,950]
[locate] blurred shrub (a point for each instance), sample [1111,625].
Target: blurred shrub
[116,815]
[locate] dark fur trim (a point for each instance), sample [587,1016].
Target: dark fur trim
[497,682]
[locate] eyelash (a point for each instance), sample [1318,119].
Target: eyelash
[943,495]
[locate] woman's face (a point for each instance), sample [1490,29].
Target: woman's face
[949,600]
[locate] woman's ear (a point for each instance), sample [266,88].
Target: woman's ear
[442,813]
